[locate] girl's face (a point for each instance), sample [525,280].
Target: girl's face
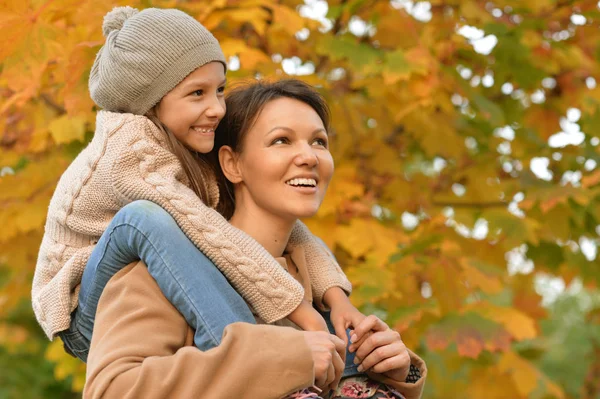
[193,109]
[285,165]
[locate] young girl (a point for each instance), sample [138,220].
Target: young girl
[159,79]
[272,145]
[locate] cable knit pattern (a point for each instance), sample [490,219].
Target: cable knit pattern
[323,269]
[127,160]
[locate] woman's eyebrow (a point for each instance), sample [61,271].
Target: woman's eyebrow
[281,128]
[321,129]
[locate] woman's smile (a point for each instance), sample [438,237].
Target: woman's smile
[303,185]
[286,144]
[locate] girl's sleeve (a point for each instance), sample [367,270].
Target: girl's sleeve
[323,269]
[141,349]
[146,170]
[56,283]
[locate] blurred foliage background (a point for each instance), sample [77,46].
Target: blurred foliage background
[466,202]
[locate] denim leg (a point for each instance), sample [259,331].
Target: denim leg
[187,278]
[350,369]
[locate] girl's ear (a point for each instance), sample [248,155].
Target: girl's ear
[229,164]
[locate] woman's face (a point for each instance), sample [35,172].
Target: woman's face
[194,108]
[285,164]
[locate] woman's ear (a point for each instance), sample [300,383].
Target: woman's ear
[228,160]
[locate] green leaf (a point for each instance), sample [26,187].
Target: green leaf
[360,56]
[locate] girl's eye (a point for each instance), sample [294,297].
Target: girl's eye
[221,90]
[197,93]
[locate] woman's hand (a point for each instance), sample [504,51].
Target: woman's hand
[327,352]
[379,349]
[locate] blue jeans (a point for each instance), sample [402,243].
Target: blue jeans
[187,278]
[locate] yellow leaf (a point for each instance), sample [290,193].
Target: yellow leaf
[478,279]
[66,365]
[324,228]
[343,187]
[523,373]
[355,238]
[591,180]
[233,46]
[517,323]
[250,58]
[65,129]
[256,16]
[474,11]
[287,18]
[372,283]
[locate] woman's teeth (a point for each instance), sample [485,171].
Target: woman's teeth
[302,182]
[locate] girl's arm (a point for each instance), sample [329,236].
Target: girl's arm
[323,269]
[145,169]
[141,348]
[343,315]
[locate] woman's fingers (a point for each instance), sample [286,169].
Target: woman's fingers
[384,352]
[330,375]
[377,360]
[369,323]
[379,349]
[340,348]
[338,364]
[362,339]
[325,350]
[376,340]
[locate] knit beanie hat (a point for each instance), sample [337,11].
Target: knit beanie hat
[146,55]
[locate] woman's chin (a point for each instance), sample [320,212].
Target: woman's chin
[305,213]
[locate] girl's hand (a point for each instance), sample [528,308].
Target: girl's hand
[343,314]
[307,318]
[380,349]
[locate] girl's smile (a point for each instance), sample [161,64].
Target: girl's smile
[194,108]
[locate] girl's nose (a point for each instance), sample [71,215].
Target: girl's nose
[216,108]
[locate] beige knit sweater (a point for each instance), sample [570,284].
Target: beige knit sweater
[129,159]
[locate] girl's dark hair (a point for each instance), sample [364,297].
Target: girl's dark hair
[244,105]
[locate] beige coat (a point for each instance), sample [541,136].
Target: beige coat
[142,347]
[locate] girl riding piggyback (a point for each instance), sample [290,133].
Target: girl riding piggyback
[159,80]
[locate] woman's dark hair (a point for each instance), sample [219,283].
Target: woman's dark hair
[244,104]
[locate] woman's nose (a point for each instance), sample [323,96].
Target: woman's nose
[306,156]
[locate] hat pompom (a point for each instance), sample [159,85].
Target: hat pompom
[115,19]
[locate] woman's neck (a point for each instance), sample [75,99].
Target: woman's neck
[270,231]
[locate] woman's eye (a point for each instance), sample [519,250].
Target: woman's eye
[281,140]
[320,142]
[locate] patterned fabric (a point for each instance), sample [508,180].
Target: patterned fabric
[413,374]
[304,394]
[363,387]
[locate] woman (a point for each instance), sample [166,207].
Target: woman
[275,165]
